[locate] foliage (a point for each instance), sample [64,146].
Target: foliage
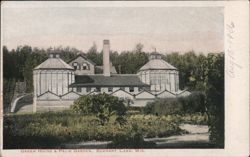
[9,85]
[129,62]
[164,106]
[195,102]
[156,126]
[132,110]
[215,97]
[191,67]
[54,129]
[94,55]
[102,105]
[130,139]
[194,118]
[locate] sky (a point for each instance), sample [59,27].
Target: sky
[167,29]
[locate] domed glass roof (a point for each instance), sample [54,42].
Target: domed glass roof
[157,64]
[54,63]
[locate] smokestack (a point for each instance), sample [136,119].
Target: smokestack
[106,62]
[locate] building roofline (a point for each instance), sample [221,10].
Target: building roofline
[94,91]
[156,69]
[48,92]
[54,69]
[185,90]
[145,91]
[88,85]
[121,90]
[61,62]
[124,75]
[84,57]
[166,91]
[71,92]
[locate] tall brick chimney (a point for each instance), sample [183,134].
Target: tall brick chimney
[106,62]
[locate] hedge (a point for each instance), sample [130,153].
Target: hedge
[182,105]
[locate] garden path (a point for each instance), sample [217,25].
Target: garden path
[198,137]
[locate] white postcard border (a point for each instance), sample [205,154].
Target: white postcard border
[236,88]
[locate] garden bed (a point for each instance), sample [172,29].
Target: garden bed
[52,129]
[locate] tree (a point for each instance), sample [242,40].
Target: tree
[215,97]
[191,69]
[6,63]
[138,47]
[94,55]
[102,105]
[131,62]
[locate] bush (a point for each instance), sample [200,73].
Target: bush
[133,110]
[153,126]
[132,138]
[103,106]
[164,107]
[196,119]
[193,103]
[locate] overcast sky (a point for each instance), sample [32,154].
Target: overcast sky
[165,28]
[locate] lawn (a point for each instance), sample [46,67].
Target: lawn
[53,129]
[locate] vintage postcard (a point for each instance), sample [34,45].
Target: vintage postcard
[116,78]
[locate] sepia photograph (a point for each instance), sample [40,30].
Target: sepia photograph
[91,77]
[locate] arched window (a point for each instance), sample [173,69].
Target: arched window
[85,66]
[76,66]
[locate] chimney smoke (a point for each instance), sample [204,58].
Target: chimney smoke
[106,62]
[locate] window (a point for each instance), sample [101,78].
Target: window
[75,65]
[78,89]
[163,78]
[88,89]
[110,89]
[153,78]
[158,56]
[98,89]
[168,77]
[131,89]
[85,66]
[140,89]
[158,78]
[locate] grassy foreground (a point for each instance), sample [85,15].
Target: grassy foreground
[53,129]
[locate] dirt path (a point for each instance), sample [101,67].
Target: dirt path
[198,137]
[195,129]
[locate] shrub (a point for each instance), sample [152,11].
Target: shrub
[196,118]
[131,138]
[133,110]
[193,103]
[101,105]
[164,107]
